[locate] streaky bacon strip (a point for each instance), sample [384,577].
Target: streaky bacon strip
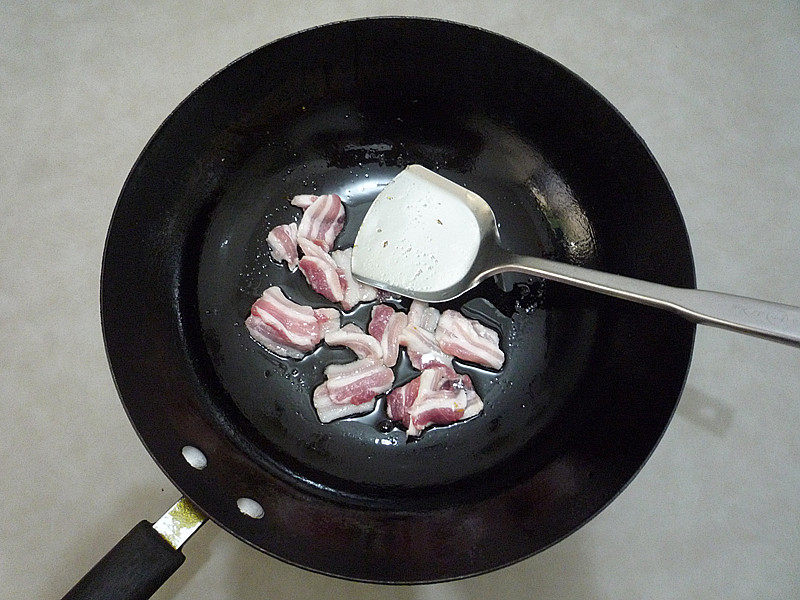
[400,399]
[351,389]
[286,328]
[322,221]
[386,325]
[468,339]
[379,319]
[330,275]
[423,350]
[282,242]
[439,396]
[322,273]
[351,336]
[327,411]
[358,382]
[328,319]
[422,315]
[355,292]
[443,408]
[303,200]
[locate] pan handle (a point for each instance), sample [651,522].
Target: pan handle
[142,560]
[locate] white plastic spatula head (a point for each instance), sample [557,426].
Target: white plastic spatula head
[424,237]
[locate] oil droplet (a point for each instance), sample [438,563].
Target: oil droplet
[384,426]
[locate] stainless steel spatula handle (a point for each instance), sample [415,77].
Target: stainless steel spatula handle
[770,320]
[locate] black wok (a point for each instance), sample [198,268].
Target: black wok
[589,384]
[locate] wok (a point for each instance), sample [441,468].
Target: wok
[589,384]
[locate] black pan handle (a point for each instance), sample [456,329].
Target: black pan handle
[132,570]
[142,560]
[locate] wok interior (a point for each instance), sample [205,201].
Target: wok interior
[554,338]
[548,347]
[589,382]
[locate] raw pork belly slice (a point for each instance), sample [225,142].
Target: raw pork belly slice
[327,411]
[439,396]
[286,328]
[351,336]
[442,407]
[328,319]
[351,389]
[422,315]
[330,275]
[385,325]
[322,221]
[423,350]
[469,340]
[358,382]
[355,292]
[303,200]
[322,274]
[400,399]
[282,242]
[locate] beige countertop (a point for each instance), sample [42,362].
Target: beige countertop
[713,88]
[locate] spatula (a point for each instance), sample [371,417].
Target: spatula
[431,239]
